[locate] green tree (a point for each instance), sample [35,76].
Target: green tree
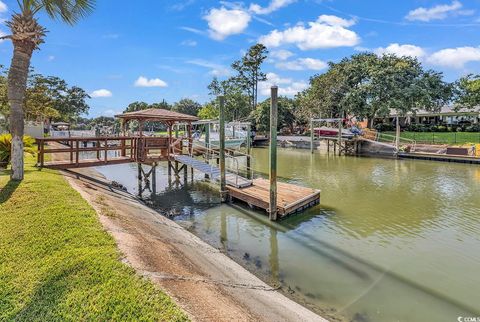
[467,92]
[163,105]
[209,111]
[187,106]
[249,72]
[69,102]
[48,98]
[367,86]
[27,35]
[286,114]
[236,102]
[136,106]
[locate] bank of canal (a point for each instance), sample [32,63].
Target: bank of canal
[392,240]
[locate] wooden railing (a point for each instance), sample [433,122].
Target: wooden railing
[73,147]
[93,151]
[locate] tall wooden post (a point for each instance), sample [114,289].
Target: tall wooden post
[312,135]
[273,153]
[154,178]
[249,151]
[397,135]
[139,179]
[340,136]
[223,182]
[207,135]
[169,161]
[190,142]
[122,142]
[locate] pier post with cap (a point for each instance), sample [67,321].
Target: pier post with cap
[273,153]
[223,183]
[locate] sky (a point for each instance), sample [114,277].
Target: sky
[153,50]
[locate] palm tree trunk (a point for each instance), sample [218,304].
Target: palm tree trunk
[17,85]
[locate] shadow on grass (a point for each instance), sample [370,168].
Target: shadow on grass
[47,298]
[7,191]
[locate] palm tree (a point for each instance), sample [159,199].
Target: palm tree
[27,35]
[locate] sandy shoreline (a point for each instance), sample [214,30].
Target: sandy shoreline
[206,283]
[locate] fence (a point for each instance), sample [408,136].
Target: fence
[441,137]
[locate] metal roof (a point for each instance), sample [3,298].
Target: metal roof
[157,114]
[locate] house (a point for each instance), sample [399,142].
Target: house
[445,116]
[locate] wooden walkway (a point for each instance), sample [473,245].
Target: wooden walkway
[256,193]
[232,179]
[290,199]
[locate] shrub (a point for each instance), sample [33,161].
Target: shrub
[6,147]
[384,127]
[473,128]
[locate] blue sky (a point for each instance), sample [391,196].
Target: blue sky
[152,50]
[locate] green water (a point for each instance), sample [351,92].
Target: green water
[392,240]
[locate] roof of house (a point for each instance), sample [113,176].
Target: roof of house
[445,110]
[159,115]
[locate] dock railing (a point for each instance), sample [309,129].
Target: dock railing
[212,151]
[99,147]
[389,139]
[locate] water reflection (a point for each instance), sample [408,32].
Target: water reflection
[391,241]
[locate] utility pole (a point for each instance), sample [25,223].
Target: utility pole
[273,153]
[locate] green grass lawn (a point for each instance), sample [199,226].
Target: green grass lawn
[441,137]
[57,263]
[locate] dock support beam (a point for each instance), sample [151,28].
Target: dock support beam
[340,137]
[223,183]
[312,136]
[273,153]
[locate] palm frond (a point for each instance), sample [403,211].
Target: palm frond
[69,11]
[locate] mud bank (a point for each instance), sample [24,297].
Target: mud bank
[206,283]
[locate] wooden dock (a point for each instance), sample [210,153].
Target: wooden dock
[290,199]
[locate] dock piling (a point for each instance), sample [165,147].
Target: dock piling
[273,153]
[223,185]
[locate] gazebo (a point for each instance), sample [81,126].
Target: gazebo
[150,150]
[166,117]
[163,144]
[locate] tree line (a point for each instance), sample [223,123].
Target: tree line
[365,86]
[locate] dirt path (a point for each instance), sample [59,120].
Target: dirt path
[207,284]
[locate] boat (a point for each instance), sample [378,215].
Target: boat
[332,132]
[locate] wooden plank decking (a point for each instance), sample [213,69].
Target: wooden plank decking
[85,163]
[291,198]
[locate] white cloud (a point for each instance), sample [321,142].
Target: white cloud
[153,82]
[326,32]
[302,64]
[281,54]
[101,93]
[3,7]
[225,22]
[335,21]
[455,57]
[274,5]
[215,69]
[188,42]
[286,86]
[401,50]
[51,58]
[438,12]
[193,30]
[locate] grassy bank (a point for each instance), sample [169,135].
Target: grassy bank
[57,263]
[441,137]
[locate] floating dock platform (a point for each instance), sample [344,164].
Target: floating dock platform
[290,199]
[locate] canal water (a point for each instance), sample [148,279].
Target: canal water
[392,240]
